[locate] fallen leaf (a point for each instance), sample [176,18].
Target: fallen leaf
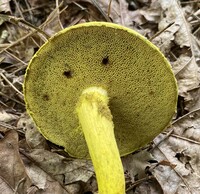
[7,117]
[178,41]
[34,139]
[64,170]
[135,164]
[182,149]
[12,170]
[5,6]
[147,187]
[5,187]
[187,74]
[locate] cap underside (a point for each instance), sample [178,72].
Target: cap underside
[138,79]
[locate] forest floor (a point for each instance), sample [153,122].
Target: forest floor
[30,164]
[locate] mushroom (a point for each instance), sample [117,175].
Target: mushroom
[101,91]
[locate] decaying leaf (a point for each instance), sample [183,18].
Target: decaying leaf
[34,139]
[64,170]
[150,186]
[12,170]
[50,171]
[7,117]
[187,74]
[53,173]
[44,182]
[4,6]
[136,164]
[178,41]
[3,36]
[181,148]
[5,188]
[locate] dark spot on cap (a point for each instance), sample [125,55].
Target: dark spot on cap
[45,97]
[67,74]
[151,92]
[105,60]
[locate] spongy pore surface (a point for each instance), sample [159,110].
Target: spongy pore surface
[140,84]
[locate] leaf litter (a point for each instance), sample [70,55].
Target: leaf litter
[30,164]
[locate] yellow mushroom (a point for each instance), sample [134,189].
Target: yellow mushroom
[100,90]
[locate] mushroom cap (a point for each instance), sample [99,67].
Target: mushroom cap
[141,86]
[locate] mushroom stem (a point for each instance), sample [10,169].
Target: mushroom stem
[98,128]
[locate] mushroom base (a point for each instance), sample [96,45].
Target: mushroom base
[96,121]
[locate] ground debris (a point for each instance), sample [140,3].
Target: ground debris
[31,164]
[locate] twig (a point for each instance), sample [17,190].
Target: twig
[78,18]
[188,62]
[183,138]
[21,22]
[188,2]
[18,69]
[5,125]
[20,39]
[3,104]
[196,31]
[4,77]
[27,35]
[51,17]
[139,182]
[109,8]
[101,11]
[6,182]
[18,184]
[38,7]
[12,99]
[168,134]
[180,118]
[121,16]
[29,10]
[162,140]
[1,59]
[58,13]
[161,31]
[15,57]
[18,8]
[80,6]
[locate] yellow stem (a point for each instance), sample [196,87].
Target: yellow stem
[97,125]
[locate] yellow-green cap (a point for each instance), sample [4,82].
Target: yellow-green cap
[139,81]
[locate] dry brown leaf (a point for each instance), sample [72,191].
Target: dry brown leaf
[182,149]
[179,32]
[4,187]
[5,6]
[150,12]
[43,181]
[12,170]
[120,13]
[147,187]
[52,23]
[52,173]
[179,35]
[3,36]
[64,170]
[34,139]
[195,96]
[35,3]
[187,74]
[135,164]
[7,117]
